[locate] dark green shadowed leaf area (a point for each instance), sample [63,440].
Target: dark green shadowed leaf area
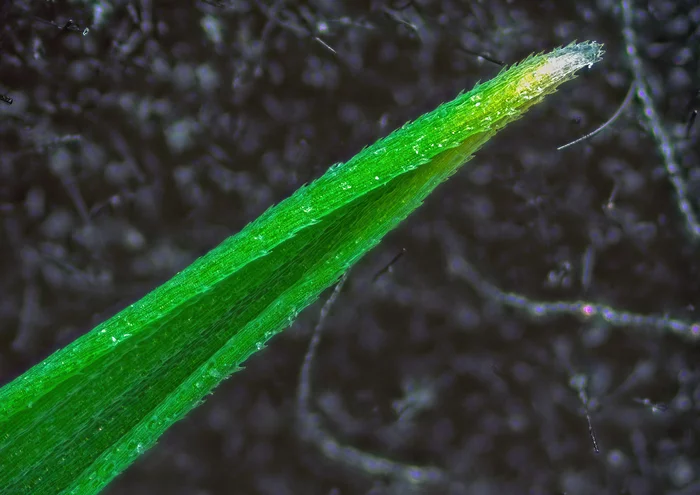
[78,419]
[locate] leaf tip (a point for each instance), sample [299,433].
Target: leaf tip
[566,60]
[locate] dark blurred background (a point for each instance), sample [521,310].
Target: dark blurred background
[133,149]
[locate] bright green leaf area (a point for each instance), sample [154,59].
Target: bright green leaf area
[75,421]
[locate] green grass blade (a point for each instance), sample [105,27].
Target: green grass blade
[75,421]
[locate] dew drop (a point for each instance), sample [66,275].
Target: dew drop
[92,486]
[259,346]
[153,423]
[105,470]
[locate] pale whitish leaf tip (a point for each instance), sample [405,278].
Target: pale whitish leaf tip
[571,58]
